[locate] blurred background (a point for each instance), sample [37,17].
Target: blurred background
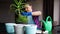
[47,7]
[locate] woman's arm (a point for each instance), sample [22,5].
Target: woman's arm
[36,13]
[26,13]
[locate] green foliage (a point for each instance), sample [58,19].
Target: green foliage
[22,19]
[17,5]
[17,8]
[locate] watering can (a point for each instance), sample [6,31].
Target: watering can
[48,24]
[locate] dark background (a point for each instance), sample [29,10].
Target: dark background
[5,14]
[48,8]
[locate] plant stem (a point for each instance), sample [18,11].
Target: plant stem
[19,12]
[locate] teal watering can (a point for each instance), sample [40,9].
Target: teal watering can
[48,24]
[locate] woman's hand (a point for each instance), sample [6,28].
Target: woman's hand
[36,13]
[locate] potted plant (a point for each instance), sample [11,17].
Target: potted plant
[18,6]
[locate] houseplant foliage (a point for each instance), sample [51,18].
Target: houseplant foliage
[17,7]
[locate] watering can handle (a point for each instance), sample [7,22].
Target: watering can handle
[48,18]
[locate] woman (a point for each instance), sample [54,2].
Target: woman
[32,15]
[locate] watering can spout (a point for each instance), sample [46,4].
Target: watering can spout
[43,22]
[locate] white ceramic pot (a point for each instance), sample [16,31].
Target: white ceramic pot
[19,28]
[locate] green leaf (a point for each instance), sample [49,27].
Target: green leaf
[13,5]
[19,3]
[16,2]
[16,11]
[23,3]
